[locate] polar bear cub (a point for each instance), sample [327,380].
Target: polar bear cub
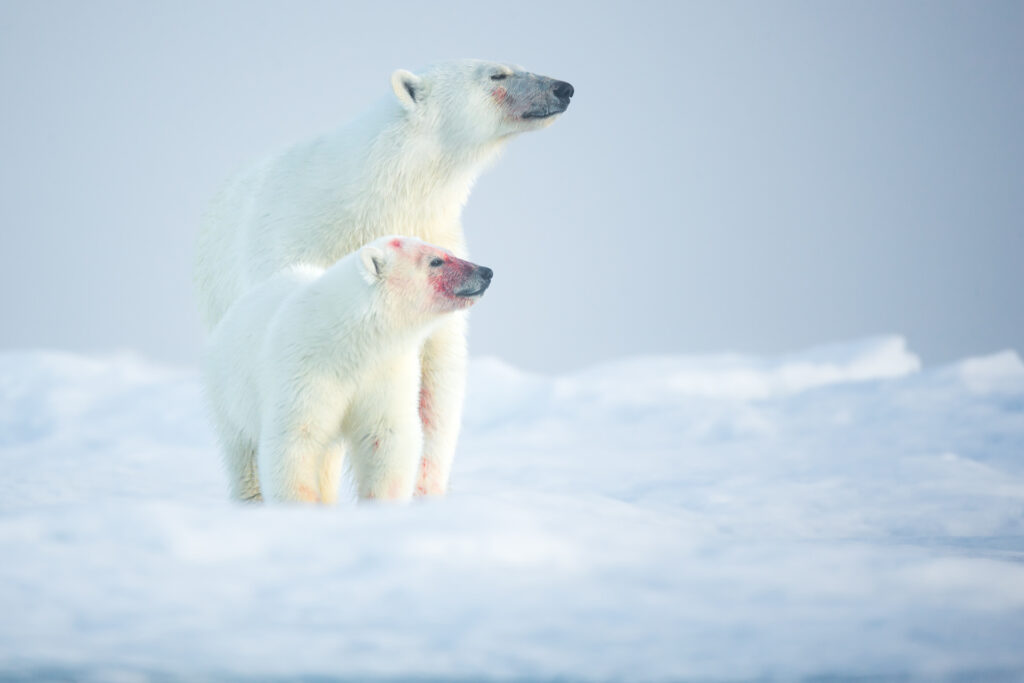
[317,361]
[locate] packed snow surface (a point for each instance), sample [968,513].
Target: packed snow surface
[836,513]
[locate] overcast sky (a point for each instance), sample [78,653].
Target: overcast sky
[756,176]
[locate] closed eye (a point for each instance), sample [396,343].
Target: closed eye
[499,77]
[436,263]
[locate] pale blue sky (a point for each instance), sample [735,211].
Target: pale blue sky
[756,176]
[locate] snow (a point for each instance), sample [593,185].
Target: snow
[838,512]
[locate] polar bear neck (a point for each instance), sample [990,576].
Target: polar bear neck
[354,323]
[418,184]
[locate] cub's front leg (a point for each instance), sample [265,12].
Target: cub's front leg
[383,428]
[297,434]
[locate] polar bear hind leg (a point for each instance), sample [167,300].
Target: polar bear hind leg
[240,462]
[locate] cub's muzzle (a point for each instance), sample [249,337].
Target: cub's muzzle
[476,283]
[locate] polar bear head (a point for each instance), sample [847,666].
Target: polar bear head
[418,281]
[471,102]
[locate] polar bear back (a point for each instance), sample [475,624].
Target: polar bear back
[321,200]
[235,350]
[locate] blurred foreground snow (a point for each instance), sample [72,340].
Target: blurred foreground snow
[838,512]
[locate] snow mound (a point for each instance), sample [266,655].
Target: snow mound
[656,380]
[1001,372]
[830,514]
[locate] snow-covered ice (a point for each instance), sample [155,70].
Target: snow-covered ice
[836,513]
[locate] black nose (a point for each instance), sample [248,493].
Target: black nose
[563,90]
[485,273]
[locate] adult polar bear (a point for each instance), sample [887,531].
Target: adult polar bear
[405,167]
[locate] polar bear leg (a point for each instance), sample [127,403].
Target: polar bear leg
[239,456]
[290,455]
[330,471]
[442,391]
[386,437]
[240,462]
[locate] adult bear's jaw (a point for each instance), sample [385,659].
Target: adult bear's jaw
[529,116]
[548,112]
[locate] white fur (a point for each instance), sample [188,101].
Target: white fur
[406,167]
[313,362]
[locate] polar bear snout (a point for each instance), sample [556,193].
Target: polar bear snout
[542,97]
[563,91]
[476,282]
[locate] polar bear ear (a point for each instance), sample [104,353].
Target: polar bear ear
[408,87]
[372,261]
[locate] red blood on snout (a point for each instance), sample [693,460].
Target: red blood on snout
[452,275]
[499,93]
